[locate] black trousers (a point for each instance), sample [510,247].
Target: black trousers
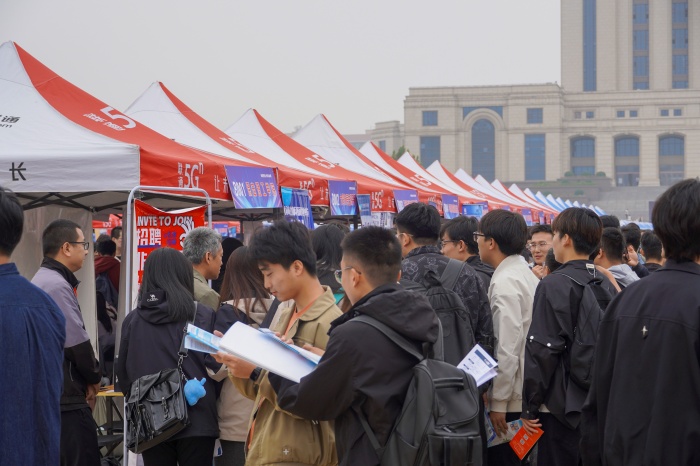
[79,438]
[558,446]
[190,451]
[233,454]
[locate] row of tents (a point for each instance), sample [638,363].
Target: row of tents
[60,145]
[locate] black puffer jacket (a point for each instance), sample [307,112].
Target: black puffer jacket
[150,341]
[362,366]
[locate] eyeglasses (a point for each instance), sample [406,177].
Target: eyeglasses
[541,245]
[86,244]
[339,273]
[445,241]
[476,236]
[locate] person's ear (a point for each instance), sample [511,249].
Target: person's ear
[297,267]
[461,246]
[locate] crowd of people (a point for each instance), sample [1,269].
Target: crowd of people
[595,329]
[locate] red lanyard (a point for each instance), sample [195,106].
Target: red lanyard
[297,315]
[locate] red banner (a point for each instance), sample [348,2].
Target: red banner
[158,229]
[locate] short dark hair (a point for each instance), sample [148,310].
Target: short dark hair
[610,221]
[550,262]
[539,229]
[106,247]
[613,243]
[378,253]
[651,244]
[676,220]
[462,229]
[632,234]
[168,270]
[583,226]
[57,234]
[11,221]
[421,221]
[283,243]
[116,233]
[508,229]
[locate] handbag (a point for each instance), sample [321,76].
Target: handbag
[156,408]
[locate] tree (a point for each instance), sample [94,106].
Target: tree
[396,155]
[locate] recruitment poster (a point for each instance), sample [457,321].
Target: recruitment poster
[297,206]
[253,187]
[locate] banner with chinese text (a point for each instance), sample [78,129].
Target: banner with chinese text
[404,197]
[297,206]
[343,197]
[527,215]
[450,206]
[158,229]
[253,187]
[364,203]
[473,210]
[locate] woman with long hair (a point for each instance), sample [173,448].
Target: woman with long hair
[150,340]
[243,299]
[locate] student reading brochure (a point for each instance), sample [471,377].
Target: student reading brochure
[259,347]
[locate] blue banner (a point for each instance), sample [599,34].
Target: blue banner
[450,206]
[297,206]
[343,197]
[527,215]
[541,218]
[506,207]
[364,203]
[473,210]
[404,197]
[253,187]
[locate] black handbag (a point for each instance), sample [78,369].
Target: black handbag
[156,408]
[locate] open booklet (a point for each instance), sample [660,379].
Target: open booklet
[479,365]
[259,347]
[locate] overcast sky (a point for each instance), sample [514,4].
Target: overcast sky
[352,60]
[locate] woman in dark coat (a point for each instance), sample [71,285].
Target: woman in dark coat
[150,340]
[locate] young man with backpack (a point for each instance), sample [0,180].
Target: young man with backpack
[443,280]
[559,351]
[501,237]
[366,381]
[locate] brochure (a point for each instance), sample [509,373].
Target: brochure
[493,439]
[479,365]
[523,442]
[263,349]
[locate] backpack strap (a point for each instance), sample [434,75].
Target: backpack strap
[451,273]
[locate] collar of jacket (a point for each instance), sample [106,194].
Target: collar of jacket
[9,269]
[685,266]
[427,249]
[56,266]
[198,277]
[321,305]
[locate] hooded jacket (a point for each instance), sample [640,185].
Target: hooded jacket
[278,436]
[80,367]
[363,367]
[111,266]
[150,341]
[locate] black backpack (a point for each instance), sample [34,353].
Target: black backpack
[594,301]
[104,286]
[458,334]
[439,421]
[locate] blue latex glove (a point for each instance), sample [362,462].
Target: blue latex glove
[194,390]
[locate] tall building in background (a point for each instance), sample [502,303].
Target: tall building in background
[628,104]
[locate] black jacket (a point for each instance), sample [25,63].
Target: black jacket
[362,367]
[149,343]
[554,315]
[644,404]
[483,271]
[475,299]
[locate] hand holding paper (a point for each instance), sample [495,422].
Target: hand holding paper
[479,365]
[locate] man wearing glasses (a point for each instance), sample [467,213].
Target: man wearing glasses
[65,248]
[539,243]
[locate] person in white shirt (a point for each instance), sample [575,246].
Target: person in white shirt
[501,237]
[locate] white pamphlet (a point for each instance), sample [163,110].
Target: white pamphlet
[493,439]
[479,365]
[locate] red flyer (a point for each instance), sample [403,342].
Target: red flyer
[523,442]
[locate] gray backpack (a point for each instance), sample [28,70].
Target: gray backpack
[439,421]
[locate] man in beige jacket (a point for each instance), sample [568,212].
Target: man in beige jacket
[501,237]
[202,246]
[288,263]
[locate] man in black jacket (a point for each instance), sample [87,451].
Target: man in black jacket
[550,399]
[361,367]
[418,230]
[457,242]
[644,401]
